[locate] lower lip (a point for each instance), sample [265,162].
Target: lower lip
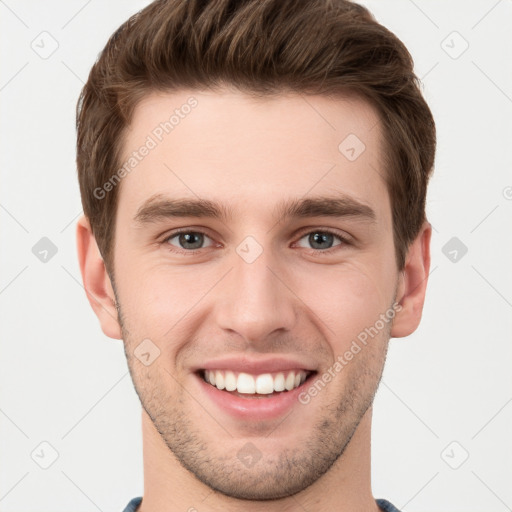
[252,408]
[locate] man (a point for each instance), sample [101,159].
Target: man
[253,176]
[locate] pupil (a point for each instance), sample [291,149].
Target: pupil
[191,240]
[316,239]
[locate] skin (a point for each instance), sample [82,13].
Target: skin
[250,155]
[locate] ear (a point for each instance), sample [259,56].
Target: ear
[96,280]
[412,284]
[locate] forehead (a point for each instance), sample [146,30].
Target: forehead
[248,152]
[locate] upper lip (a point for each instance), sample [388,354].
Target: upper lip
[256,366]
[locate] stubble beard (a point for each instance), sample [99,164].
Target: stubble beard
[275,475]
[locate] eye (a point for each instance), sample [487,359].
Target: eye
[189,240]
[321,240]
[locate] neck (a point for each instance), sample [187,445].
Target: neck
[169,487]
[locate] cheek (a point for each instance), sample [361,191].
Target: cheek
[347,298]
[157,299]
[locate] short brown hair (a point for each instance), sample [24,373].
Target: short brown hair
[262,47]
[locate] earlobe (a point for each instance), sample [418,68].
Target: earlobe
[413,284]
[96,280]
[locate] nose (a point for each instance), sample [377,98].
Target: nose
[255,301]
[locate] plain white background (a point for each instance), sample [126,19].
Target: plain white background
[443,413]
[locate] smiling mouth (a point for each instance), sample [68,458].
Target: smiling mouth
[255,386]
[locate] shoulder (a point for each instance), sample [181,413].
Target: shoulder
[133,505]
[386,506]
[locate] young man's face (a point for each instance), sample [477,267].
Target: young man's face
[260,289]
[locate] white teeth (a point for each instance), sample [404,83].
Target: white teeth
[264,384]
[219,380]
[290,381]
[279,382]
[245,384]
[230,381]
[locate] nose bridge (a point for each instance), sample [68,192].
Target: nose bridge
[254,302]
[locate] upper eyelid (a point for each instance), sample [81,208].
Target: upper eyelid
[171,234]
[298,236]
[333,231]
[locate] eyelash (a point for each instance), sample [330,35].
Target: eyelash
[344,241]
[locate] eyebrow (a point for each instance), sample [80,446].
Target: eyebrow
[159,207]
